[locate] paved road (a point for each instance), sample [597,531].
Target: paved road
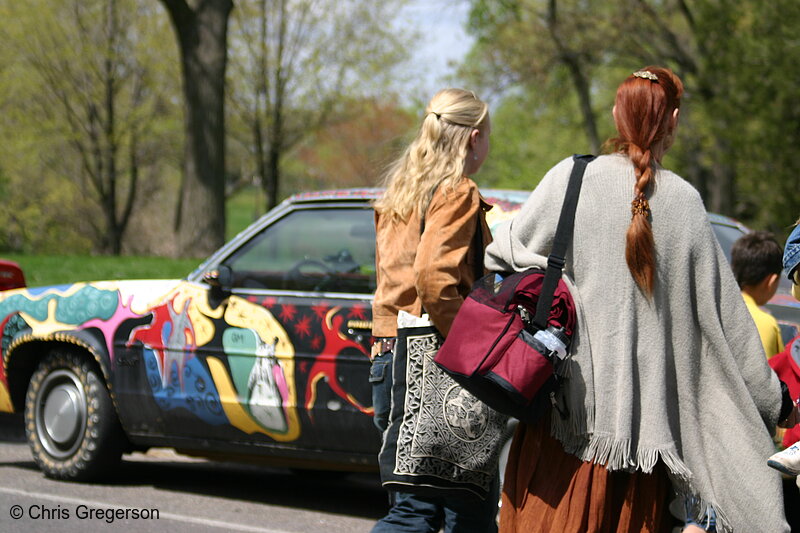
[161,491]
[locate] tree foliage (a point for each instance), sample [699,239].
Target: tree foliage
[81,121]
[565,58]
[295,65]
[353,152]
[92,154]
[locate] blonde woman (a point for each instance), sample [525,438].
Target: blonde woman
[431,231]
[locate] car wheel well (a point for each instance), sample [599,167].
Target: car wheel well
[26,359]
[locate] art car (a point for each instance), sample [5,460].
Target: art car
[261,353]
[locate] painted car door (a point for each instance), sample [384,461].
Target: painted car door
[298,327]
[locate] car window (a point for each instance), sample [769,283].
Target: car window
[726,235]
[313,249]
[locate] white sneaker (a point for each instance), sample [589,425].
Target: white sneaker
[787,461]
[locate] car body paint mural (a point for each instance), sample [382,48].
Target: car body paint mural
[326,366]
[322,331]
[258,393]
[40,313]
[233,364]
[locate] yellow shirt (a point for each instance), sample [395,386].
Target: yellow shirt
[767,326]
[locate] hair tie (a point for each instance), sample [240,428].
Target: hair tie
[640,206]
[645,75]
[434,113]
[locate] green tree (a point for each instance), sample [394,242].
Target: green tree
[547,46]
[295,64]
[737,124]
[353,152]
[768,166]
[80,80]
[736,61]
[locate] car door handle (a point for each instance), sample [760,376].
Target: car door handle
[359,324]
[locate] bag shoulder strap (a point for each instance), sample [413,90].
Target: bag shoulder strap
[479,247]
[561,240]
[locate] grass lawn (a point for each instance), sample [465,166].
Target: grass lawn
[58,269]
[242,209]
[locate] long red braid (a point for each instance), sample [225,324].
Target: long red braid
[644,106]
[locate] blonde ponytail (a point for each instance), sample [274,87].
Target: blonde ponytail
[436,157]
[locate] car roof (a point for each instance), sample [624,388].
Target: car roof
[723,220]
[372,193]
[363,193]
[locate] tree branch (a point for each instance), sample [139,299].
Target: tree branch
[678,52]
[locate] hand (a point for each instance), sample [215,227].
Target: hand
[692,528]
[792,420]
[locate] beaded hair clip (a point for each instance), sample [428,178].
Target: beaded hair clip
[640,206]
[645,74]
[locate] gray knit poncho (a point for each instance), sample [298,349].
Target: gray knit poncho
[679,378]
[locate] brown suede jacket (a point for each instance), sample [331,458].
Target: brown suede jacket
[434,269]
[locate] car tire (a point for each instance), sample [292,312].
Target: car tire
[70,421]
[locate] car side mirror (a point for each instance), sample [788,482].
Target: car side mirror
[220,277]
[220,280]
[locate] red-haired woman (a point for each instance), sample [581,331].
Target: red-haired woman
[668,386]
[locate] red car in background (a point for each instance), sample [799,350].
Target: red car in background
[11,276]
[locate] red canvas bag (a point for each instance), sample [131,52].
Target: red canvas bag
[513,330]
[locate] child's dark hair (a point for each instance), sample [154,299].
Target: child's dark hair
[755,256]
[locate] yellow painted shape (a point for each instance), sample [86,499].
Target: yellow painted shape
[200,313]
[243,314]
[68,291]
[5,400]
[237,415]
[495,216]
[49,325]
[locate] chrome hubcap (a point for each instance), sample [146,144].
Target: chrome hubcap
[61,413]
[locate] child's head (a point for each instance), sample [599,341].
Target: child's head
[791,260]
[756,259]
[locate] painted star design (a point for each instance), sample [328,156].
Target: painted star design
[303,326]
[320,310]
[316,343]
[287,312]
[358,311]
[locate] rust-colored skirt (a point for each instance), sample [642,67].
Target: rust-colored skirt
[547,490]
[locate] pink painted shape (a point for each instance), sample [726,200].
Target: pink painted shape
[109,327]
[280,382]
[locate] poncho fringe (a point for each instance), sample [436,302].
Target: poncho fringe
[616,455]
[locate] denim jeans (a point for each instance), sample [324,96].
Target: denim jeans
[709,520]
[451,513]
[380,376]
[412,513]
